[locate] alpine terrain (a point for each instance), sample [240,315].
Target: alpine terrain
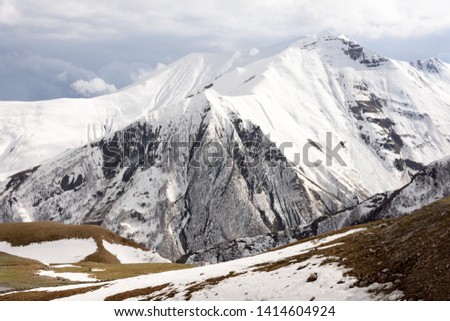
[403,258]
[265,145]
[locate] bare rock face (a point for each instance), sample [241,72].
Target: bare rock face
[220,180]
[430,184]
[427,186]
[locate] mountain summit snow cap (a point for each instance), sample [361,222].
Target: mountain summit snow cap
[327,35]
[432,65]
[340,51]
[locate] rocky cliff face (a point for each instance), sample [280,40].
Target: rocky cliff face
[427,186]
[177,188]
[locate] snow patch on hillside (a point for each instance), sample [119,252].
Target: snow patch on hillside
[244,280]
[127,254]
[61,251]
[75,277]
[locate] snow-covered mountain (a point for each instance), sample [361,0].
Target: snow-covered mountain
[261,108]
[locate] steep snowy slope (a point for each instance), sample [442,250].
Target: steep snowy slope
[32,132]
[265,111]
[393,117]
[308,86]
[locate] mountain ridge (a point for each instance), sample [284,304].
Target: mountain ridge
[388,120]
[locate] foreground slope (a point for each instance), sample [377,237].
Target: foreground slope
[53,254]
[389,119]
[401,258]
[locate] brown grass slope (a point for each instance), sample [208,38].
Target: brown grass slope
[25,233]
[47,296]
[108,272]
[17,273]
[20,274]
[412,252]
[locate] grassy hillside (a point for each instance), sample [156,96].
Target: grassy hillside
[410,251]
[25,233]
[107,272]
[20,274]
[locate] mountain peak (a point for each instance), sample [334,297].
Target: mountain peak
[431,65]
[328,35]
[340,51]
[325,33]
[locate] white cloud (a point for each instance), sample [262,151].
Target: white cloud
[9,15]
[160,66]
[34,77]
[93,87]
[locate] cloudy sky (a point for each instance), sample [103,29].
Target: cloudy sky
[82,48]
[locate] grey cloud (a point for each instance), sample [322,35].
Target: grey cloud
[122,74]
[120,41]
[413,48]
[30,77]
[231,20]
